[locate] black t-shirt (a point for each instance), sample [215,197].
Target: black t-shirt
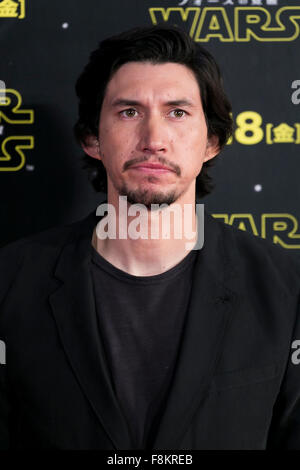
[141,319]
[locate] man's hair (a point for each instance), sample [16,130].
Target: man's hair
[157,45]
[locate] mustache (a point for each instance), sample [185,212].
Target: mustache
[145,158]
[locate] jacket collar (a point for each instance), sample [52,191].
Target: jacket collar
[212,302]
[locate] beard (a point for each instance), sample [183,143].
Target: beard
[147,197]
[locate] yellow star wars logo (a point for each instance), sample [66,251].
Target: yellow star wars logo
[280,228]
[12,9]
[242,24]
[12,157]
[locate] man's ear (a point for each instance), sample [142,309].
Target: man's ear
[212,148]
[92,147]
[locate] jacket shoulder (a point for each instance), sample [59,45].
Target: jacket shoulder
[13,253]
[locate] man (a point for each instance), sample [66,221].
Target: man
[125,342]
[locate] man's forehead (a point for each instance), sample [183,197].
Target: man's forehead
[135,81]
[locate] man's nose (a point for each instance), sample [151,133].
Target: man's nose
[153,137]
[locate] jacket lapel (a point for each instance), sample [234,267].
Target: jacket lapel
[74,311]
[210,311]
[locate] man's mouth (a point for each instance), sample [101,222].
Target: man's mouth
[152,168]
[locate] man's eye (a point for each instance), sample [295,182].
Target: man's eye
[130,112]
[178,113]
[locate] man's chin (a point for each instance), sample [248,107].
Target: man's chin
[147,198]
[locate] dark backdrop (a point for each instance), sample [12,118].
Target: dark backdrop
[44,46]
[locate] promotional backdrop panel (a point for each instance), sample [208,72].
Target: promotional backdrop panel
[44,47]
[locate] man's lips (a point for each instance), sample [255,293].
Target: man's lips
[151,167]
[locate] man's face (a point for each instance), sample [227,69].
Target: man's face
[152,114]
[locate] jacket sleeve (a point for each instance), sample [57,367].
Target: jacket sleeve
[9,265]
[285,427]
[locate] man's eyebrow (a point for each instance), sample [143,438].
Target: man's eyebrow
[124,102]
[128,102]
[181,102]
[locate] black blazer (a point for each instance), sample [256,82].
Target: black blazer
[235,386]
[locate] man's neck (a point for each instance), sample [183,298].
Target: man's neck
[169,234]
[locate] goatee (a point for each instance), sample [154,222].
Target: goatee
[146,197]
